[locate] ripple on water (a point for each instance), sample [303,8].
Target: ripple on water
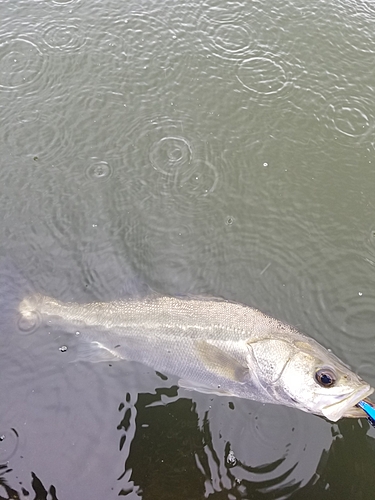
[343,310]
[188,182]
[263,76]
[185,187]
[359,319]
[66,37]
[110,52]
[65,2]
[167,177]
[230,41]
[22,63]
[168,152]
[99,171]
[200,183]
[104,110]
[370,246]
[176,154]
[217,11]
[104,271]
[273,447]
[349,117]
[36,136]
[152,54]
[353,36]
[9,440]
[368,7]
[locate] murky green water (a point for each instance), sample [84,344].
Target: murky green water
[221,148]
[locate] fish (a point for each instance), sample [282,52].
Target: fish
[213,346]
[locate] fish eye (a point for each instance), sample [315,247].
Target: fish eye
[325,377]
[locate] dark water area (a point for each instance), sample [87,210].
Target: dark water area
[203,148]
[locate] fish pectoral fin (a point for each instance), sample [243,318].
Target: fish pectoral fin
[194,386]
[221,363]
[95,352]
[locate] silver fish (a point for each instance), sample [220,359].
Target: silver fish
[214,346]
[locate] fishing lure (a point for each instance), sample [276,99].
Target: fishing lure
[369,409]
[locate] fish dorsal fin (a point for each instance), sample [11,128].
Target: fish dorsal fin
[271,356]
[221,363]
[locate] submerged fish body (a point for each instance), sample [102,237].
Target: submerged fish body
[214,346]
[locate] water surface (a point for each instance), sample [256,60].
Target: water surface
[221,148]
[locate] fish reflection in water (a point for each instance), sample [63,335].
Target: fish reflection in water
[174,449]
[174,446]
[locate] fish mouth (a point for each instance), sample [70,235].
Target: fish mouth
[346,407]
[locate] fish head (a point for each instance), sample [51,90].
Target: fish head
[318,382]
